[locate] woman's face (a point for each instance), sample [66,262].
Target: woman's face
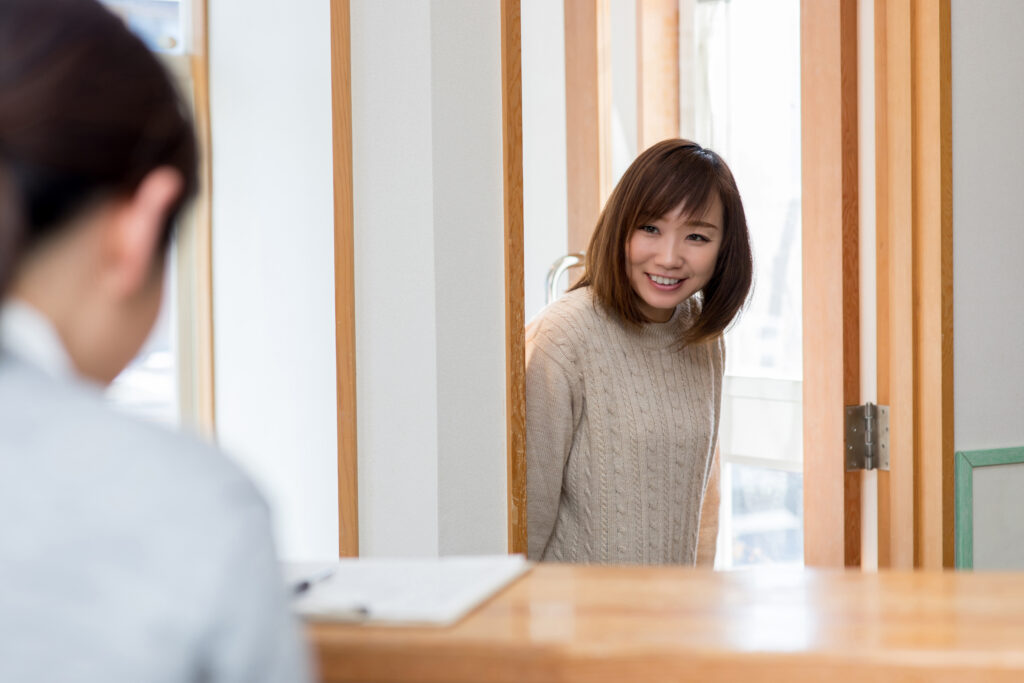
[671,258]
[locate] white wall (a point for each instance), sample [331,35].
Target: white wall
[396,369]
[545,204]
[545,209]
[429,245]
[988,222]
[273,260]
[623,54]
[426,92]
[469,262]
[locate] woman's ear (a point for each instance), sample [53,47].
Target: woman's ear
[136,230]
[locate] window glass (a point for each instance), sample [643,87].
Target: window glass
[743,87]
[764,524]
[149,386]
[160,23]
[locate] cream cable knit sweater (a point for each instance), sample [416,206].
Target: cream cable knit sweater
[621,427]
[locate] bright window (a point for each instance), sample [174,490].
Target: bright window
[148,387]
[743,90]
[159,384]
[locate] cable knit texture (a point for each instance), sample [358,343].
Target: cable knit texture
[621,426]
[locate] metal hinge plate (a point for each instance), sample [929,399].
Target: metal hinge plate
[867,437]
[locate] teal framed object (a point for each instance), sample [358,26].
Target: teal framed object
[966,461]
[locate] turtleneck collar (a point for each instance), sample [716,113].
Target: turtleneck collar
[29,335]
[668,333]
[664,335]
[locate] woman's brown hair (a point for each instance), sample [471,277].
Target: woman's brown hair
[86,111]
[666,175]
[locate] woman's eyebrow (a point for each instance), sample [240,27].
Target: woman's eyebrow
[702,224]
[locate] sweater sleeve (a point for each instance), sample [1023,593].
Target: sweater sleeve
[708,533]
[707,540]
[549,433]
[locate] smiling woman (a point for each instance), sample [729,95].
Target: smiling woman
[624,373]
[673,257]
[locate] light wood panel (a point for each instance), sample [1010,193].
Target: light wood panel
[897,148]
[933,283]
[914,147]
[588,116]
[657,40]
[563,623]
[515,341]
[201,245]
[882,265]
[344,280]
[830,303]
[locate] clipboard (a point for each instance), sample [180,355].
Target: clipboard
[399,592]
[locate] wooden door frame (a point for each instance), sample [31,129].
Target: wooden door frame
[831,311]
[344,274]
[515,337]
[657,71]
[914,242]
[204,221]
[588,103]
[913,186]
[344,279]
[194,250]
[830,205]
[914,190]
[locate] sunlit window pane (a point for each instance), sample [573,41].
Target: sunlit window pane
[160,23]
[764,524]
[744,91]
[148,386]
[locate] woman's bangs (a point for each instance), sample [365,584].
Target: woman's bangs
[692,188]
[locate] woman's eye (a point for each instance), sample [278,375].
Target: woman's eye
[649,229]
[697,237]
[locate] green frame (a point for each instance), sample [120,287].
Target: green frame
[966,461]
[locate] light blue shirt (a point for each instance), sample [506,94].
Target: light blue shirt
[127,552]
[28,334]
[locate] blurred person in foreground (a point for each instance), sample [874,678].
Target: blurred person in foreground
[127,553]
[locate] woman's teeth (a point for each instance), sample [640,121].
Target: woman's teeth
[664,280]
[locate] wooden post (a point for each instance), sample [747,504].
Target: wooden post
[515,341]
[587,113]
[915,257]
[830,267]
[344,280]
[657,45]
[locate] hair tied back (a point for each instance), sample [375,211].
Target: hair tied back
[11,221]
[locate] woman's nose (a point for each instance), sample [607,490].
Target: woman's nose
[669,255]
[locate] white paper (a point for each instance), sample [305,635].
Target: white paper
[436,591]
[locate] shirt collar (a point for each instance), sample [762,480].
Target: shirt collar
[29,335]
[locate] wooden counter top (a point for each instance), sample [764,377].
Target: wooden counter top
[564,623]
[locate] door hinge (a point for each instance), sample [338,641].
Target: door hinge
[867,437]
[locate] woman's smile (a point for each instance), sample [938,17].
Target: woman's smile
[665,283]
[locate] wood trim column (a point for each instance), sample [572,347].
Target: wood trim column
[830,301]
[344,280]
[587,115]
[895,293]
[657,63]
[933,191]
[515,341]
[914,189]
[882,265]
[202,245]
